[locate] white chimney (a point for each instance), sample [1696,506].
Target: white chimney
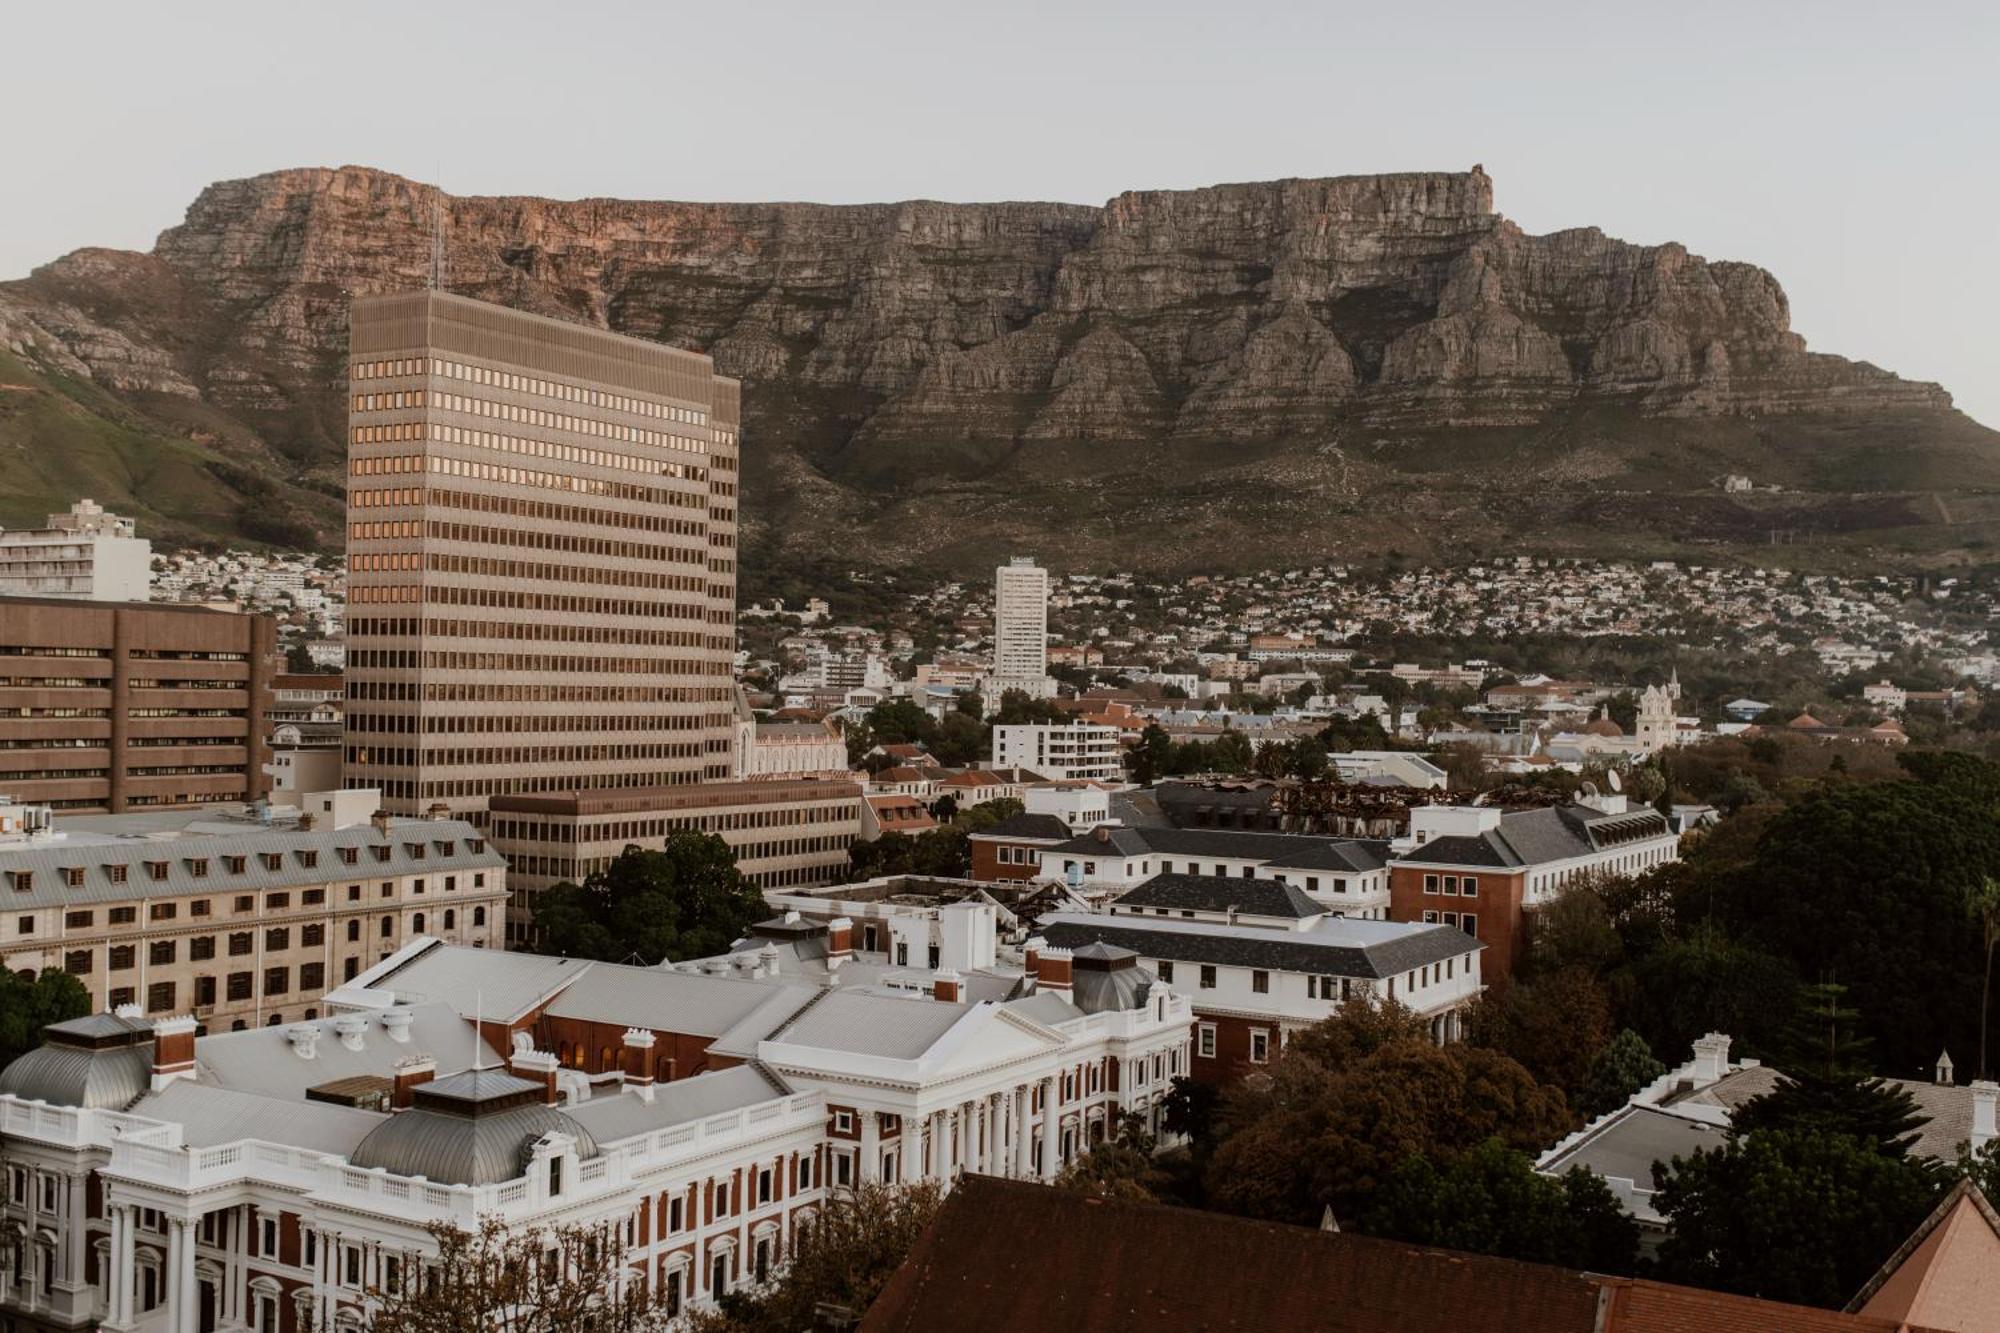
[1985,1109]
[1711,1058]
[304,1038]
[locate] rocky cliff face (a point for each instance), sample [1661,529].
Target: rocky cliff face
[898,350]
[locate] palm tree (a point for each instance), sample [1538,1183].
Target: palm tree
[1984,906]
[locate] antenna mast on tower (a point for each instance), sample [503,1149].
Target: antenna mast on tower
[437,237]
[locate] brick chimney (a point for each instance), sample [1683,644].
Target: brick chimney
[639,1062]
[539,1066]
[1031,954]
[946,986]
[1711,1058]
[173,1049]
[410,1071]
[839,941]
[380,819]
[1052,970]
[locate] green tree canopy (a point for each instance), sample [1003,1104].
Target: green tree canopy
[1491,1200]
[29,1005]
[687,900]
[1788,1215]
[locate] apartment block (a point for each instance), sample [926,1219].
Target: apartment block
[542,524]
[127,706]
[1079,751]
[86,553]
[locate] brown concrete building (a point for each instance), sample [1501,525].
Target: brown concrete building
[237,919]
[128,706]
[785,833]
[541,557]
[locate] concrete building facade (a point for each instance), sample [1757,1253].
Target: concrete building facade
[126,706]
[1020,629]
[542,523]
[86,553]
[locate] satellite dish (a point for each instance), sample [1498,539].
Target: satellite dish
[1617,783]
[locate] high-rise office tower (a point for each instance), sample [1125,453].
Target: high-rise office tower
[1020,629]
[541,543]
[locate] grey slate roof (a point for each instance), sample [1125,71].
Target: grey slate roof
[1335,947]
[1226,843]
[1221,893]
[1350,855]
[1949,1106]
[1626,1146]
[48,862]
[1046,828]
[1535,837]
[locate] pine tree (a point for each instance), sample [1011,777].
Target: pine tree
[1825,1084]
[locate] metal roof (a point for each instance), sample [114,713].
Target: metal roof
[1337,946]
[212,1115]
[1536,837]
[624,1115]
[266,1061]
[662,998]
[871,1024]
[103,1078]
[480,1148]
[498,985]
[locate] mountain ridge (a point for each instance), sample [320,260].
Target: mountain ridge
[1237,373]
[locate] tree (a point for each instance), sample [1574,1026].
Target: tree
[1350,1099]
[1625,1065]
[29,1005]
[1554,1024]
[1824,1085]
[1153,758]
[1788,1215]
[530,1281]
[687,900]
[1983,904]
[856,1243]
[1125,1166]
[1491,1200]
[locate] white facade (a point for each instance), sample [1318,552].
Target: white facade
[1078,751]
[1020,630]
[1080,806]
[86,554]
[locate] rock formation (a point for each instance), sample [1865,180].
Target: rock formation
[1344,332]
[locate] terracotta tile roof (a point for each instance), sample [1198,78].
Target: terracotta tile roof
[1147,1266]
[1144,1266]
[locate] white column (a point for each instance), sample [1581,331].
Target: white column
[968,1137]
[996,1131]
[76,1234]
[910,1155]
[180,1276]
[1022,1152]
[119,1281]
[1051,1130]
[940,1160]
[871,1148]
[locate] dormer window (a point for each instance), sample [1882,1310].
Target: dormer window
[24,880]
[198,867]
[349,855]
[475,844]
[157,870]
[73,876]
[443,848]
[309,858]
[381,851]
[115,872]
[272,860]
[235,864]
[415,850]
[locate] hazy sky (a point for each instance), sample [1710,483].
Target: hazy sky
[1851,148]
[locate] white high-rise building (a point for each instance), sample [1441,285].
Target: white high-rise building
[1020,630]
[87,554]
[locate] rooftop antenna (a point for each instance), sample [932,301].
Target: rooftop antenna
[437,235]
[478,1027]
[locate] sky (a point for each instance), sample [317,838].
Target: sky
[1851,148]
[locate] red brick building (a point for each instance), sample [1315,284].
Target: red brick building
[1012,849]
[1485,870]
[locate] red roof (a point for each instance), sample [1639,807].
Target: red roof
[1122,1265]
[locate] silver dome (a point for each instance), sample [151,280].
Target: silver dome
[473,1128]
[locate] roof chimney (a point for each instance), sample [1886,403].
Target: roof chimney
[380,819]
[538,1066]
[839,941]
[1052,970]
[945,986]
[1985,1113]
[1711,1058]
[639,1062]
[410,1071]
[173,1049]
[437,810]
[305,821]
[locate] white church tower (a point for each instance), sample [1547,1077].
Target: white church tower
[1658,723]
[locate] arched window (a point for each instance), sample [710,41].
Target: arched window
[478,916]
[388,926]
[450,919]
[416,924]
[353,931]
[604,1059]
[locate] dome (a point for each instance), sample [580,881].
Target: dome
[1603,726]
[1107,976]
[474,1128]
[101,1061]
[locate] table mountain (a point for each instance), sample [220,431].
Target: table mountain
[1238,375]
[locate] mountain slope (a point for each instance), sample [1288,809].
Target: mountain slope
[1234,375]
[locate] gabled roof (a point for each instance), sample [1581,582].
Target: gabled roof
[1222,893]
[1334,946]
[1947,1274]
[1536,837]
[1027,828]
